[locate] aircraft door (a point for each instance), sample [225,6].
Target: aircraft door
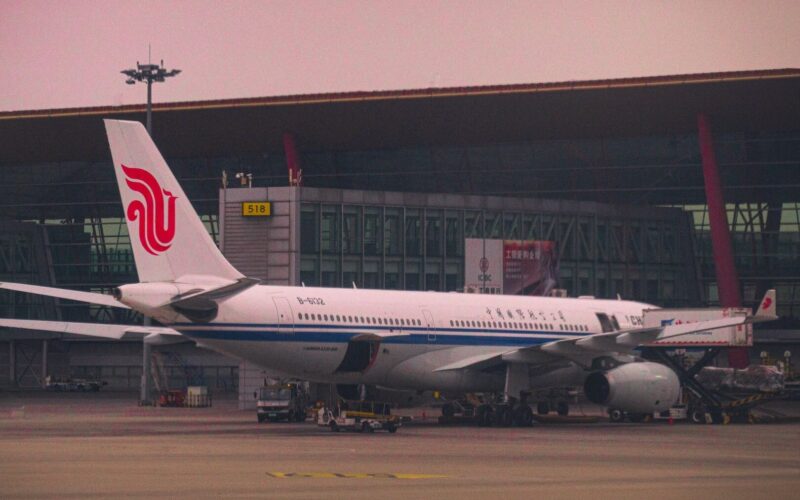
[429,325]
[285,315]
[605,323]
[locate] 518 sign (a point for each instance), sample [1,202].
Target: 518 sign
[256,209]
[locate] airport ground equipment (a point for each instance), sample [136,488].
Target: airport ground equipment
[282,402]
[73,385]
[360,416]
[197,396]
[464,411]
[174,399]
[706,405]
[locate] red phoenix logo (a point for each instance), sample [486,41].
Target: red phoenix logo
[767,303]
[156,215]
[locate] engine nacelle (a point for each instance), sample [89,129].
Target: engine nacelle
[634,387]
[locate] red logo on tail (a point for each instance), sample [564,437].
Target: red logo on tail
[767,303]
[156,215]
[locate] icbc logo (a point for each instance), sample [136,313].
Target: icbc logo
[155,213]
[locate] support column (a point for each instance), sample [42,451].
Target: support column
[44,363]
[12,363]
[727,278]
[292,160]
[145,386]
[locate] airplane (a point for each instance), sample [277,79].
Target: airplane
[421,341]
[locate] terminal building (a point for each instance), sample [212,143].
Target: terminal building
[382,189]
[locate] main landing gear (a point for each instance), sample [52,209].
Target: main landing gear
[518,414]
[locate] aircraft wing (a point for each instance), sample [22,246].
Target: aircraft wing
[100,330]
[478,362]
[583,349]
[61,293]
[626,340]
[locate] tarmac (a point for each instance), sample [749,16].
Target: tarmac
[104,445]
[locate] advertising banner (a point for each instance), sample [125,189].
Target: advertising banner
[529,267]
[511,267]
[483,266]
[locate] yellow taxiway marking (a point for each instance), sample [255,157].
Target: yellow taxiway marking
[352,475]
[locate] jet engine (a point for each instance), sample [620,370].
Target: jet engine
[634,387]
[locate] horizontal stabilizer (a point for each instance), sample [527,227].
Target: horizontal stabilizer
[201,304]
[99,330]
[62,293]
[201,296]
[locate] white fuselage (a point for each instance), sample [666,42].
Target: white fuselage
[306,332]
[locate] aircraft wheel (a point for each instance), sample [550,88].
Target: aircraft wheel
[542,408]
[616,416]
[448,410]
[504,416]
[523,416]
[562,408]
[697,415]
[485,416]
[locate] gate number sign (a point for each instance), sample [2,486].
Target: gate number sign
[256,209]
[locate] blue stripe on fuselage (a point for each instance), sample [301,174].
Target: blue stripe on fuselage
[343,337]
[357,329]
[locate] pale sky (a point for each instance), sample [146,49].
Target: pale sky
[58,54]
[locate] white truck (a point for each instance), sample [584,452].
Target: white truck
[282,402]
[741,335]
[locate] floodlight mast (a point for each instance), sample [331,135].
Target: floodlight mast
[149,73]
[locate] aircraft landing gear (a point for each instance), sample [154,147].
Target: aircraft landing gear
[523,416]
[504,415]
[485,415]
[542,408]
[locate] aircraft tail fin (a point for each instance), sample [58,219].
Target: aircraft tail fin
[767,309]
[168,238]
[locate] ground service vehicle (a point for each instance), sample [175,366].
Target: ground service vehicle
[362,416]
[282,402]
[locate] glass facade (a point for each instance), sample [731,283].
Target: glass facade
[766,247]
[420,248]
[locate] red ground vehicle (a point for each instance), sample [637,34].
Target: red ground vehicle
[172,398]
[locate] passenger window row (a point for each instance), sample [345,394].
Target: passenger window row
[500,324]
[364,320]
[515,325]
